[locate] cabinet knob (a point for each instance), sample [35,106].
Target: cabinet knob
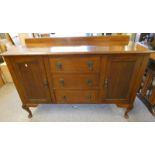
[90,65]
[59,66]
[62,82]
[90,82]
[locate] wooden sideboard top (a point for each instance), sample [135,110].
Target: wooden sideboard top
[152,57]
[66,50]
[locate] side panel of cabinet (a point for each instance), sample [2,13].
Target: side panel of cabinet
[30,78]
[119,78]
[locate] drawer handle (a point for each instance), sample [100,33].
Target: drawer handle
[62,82]
[90,65]
[59,66]
[90,82]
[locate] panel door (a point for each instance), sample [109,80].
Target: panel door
[31,76]
[120,75]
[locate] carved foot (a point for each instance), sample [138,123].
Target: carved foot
[126,112]
[28,110]
[153,111]
[126,115]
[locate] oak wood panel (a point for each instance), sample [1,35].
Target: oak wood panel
[76,81]
[143,61]
[76,96]
[16,81]
[74,64]
[103,66]
[76,41]
[49,77]
[30,73]
[152,56]
[120,74]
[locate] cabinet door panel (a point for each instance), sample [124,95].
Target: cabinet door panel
[120,75]
[31,75]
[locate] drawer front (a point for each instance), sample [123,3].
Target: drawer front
[75,64]
[79,96]
[76,81]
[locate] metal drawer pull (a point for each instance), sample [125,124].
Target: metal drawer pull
[62,82]
[26,65]
[90,65]
[59,66]
[90,82]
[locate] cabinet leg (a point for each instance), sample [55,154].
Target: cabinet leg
[153,110]
[127,111]
[28,110]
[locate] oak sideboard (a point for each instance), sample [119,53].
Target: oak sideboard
[78,74]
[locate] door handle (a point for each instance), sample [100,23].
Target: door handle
[45,83]
[106,83]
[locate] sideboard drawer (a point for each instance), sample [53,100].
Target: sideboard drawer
[75,64]
[76,81]
[79,96]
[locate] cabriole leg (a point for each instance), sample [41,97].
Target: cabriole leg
[28,110]
[127,111]
[153,110]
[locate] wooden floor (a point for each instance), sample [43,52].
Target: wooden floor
[11,111]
